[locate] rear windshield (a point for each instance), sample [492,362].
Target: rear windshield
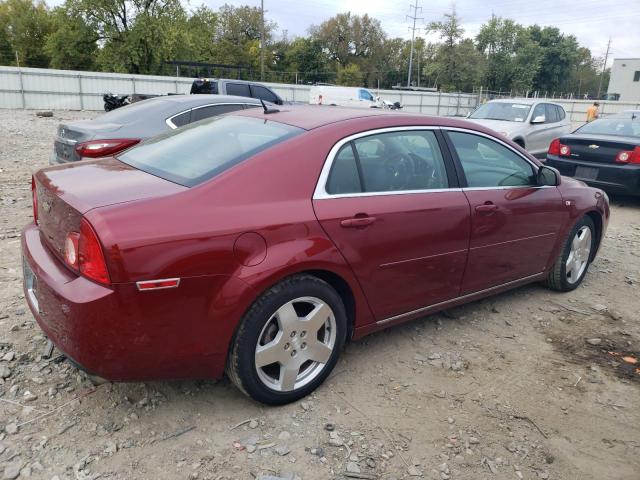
[202,150]
[612,126]
[133,112]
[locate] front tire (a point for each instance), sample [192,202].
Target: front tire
[289,341]
[573,262]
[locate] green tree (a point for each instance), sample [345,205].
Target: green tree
[350,75]
[24,26]
[72,45]
[560,53]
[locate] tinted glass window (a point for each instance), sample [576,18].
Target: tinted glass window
[636,76]
[182,119]
[212,110]
[487,163]
[389,162]
[612,126]
[240,89]
[539,110]
[344,177]
[550,113]
[263,93]
[561,113]
[201,150]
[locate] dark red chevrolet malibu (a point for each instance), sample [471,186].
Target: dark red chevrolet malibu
[257,244]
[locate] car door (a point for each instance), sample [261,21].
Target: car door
[536,138]
[390,201]
[514,222]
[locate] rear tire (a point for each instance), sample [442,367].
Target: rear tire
[572,263]
[289,341]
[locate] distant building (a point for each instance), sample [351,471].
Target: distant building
[625,79]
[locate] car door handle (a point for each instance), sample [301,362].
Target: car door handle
[487,208]
[357,222]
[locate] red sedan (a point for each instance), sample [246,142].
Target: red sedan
[258,243]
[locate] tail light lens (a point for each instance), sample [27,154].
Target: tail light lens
[629,156]
[83,253]
[104,148]
[557,148]
[34,199]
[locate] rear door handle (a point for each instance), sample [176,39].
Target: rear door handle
[487,208]
[357,222]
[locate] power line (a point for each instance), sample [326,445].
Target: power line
[413,36]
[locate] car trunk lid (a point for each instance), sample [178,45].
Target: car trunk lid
[70,134]
[66,193]
[597,149]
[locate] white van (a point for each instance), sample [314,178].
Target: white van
[343,96]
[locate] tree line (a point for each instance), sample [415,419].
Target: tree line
[141,36]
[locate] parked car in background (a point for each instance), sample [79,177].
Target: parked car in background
[604,153]
[355,97]
[259,243]
[632,114]
[241,88]
[118,130]
[530,123]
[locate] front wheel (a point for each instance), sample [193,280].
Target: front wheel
[289,341]
[573,261]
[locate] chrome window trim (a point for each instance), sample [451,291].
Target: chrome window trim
[320,191]
[171,125]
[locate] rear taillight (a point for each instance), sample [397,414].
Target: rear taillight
[83,253]
[629,156]
[104,148]
[34,199]
[557,148]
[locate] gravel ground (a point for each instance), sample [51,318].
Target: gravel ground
[521,385]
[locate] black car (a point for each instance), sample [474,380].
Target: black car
[604,153]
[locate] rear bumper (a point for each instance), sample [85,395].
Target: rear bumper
[615,178]
[119,333]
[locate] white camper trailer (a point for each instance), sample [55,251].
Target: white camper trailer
[343,96]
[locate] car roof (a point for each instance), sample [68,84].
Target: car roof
[309,117]
[523,101]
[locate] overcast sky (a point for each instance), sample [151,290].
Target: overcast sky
[591,21]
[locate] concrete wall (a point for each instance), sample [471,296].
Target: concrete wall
[622,81]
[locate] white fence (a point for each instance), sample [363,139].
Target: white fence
[39,88]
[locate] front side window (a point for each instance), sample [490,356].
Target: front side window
[539,111]
[550,113]
[389,162]
[561,113]
[202,150]
[487,163]
[365,95]
[239,89]
[263,93]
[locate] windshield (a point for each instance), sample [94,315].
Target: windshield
[623,127]
[509,112]
[202,150]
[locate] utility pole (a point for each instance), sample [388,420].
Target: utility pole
[413,17]
[262,40]
[604,66]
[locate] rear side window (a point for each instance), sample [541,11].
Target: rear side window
[213,110]
[389,162]
[182,119]
[202,150]
[239,89]
[263,93]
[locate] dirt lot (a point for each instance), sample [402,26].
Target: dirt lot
[521,385]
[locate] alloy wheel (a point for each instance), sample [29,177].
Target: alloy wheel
[578,258]
[295,344]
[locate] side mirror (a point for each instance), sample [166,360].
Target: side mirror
[539,119]
[548,176]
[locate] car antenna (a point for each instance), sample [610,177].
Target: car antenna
[268,110]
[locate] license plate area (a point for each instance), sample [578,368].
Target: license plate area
[63,151]
[586,173]
[31,285]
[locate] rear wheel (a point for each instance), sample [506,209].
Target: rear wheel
[572,263]
[289,341]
